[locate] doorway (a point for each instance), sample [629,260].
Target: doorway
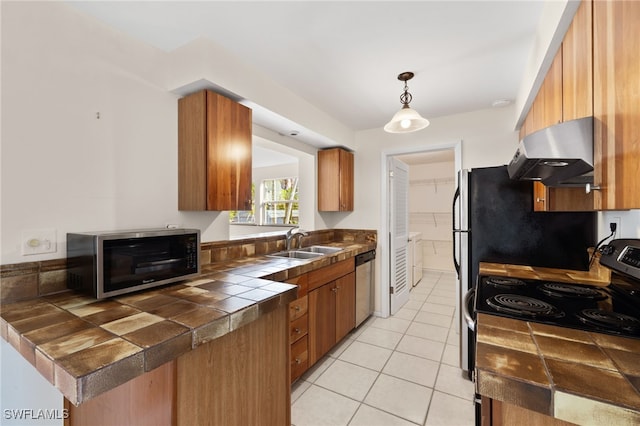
[430,219]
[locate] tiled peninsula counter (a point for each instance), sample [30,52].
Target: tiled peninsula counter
[553,375]
[214,347]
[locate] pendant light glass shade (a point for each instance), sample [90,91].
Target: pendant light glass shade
[406,120]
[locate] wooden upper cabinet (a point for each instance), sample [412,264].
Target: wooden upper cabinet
[577,66]
[548,102]
[335,180]
[214,153]
[616,104]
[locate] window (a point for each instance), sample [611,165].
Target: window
[278,204]
[280,201]
[245,216]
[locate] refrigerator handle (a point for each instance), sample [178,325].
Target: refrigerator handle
[456,196]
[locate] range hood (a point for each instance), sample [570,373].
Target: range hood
[559,155]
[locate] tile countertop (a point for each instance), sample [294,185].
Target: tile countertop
[85,347]
[576,376]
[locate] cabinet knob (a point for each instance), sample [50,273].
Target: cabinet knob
[298,361]
[335,289]
[297,330]
[296,308]
[588,188]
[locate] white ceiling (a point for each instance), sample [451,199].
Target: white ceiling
[344,56]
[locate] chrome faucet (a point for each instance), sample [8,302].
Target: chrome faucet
[293,232]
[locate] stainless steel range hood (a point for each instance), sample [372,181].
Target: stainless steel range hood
[559,155]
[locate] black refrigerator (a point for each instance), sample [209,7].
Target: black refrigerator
[494,221]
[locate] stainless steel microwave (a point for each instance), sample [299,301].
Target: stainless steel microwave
[106,264]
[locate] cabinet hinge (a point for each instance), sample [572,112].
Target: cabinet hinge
[390,173]
[391,290]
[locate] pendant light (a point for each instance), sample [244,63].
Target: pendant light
[406,120]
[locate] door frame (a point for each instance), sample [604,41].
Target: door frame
[385,212]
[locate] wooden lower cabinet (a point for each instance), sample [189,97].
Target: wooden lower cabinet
[331,315]
[241,378]
[498,413]
[299,328]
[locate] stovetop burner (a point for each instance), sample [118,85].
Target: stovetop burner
[599,309]
[505,282]
[609,320]
[517,304]
[573,291]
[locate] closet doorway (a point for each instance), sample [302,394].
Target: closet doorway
[432,182]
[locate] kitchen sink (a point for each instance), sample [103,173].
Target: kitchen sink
[320,249]
[297,254]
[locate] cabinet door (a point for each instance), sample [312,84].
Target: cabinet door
[228,154]
[335,180]
[346,180]
[548,103]
[322,321]
[616,108]
[577,66]
[345,305]
[214,153]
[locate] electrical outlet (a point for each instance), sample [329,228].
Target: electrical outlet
[38,241]
[618,223]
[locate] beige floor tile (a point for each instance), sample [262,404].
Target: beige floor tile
[412,368]
[413,304]
[400,398]
[447,410]
[318,406]
[418,346]
[451,355]
[450,381]
[438,309]
[406,313]
[447,301]
[428,331]
[434,319]
[347,379]
[366,355]
[369,416]
[419,297]
[379,337]
[398,325]
[298,388]
[314,372]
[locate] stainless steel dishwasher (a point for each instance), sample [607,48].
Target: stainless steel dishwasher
[365,280]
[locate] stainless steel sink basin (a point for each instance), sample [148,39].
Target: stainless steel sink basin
[320,249]
[297,254]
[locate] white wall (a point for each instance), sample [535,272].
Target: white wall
[431,189]
[64,168]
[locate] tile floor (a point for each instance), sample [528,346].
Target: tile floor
[400,370]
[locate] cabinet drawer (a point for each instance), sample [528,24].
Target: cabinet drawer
[299,358]
[298,328]
[302,281]
[297,308]
[330,273]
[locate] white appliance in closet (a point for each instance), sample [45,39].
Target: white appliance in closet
[415,257]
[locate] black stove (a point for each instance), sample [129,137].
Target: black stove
[613,309]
